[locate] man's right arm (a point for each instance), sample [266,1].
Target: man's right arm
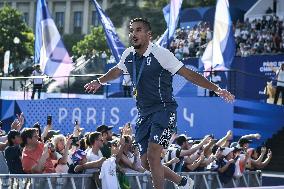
[94,85]
[112,74]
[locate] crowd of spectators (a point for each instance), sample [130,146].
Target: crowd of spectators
[257,37]
[30,150]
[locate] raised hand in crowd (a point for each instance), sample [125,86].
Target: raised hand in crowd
[269,153]
[263,150]
[77,129]
[257,136]
[127,130]
[45,131]
[18,122]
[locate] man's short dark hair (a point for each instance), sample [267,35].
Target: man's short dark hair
[143,20]
[27,133]
[93,136]
[104,128]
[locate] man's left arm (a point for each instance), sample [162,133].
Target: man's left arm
[201,81]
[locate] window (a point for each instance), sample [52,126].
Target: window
[78,19]
[59,21]
[25,17]
[95,18]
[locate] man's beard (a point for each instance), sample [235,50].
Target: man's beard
[137,46]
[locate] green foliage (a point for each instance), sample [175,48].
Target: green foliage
[11,26]
[119,12]
[158,4]
[95,41]
[199,3]
[71,40]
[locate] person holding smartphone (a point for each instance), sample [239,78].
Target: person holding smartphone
[36,157]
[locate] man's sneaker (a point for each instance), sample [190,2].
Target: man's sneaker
[189,184]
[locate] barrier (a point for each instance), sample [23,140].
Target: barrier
[208,180]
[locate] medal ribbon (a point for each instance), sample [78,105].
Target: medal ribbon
[137,79]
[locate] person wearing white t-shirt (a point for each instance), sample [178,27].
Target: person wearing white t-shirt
[280,84]
[94,154]
[37,82]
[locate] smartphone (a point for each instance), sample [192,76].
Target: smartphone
[50,145]
[236,158]
[74,141]
[49,120]
[1,124]
[76,121]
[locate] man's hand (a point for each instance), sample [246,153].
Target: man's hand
[229,134]
[175,160]
[269,153]
[257,136]
[92,86]
[226,95]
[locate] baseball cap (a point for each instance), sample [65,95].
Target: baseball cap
[78,155]
[181,139]
[51,133]
[234,144]
[237,149]
[103,128]
[226,151]
[243,141]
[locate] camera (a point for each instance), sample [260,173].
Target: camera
[127,139]
[50,145]
[236,158]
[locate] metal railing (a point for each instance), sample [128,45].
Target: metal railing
[20,88]
[208,180]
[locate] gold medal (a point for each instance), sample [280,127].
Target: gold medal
[135,93]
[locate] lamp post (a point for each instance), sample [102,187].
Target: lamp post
[16,41]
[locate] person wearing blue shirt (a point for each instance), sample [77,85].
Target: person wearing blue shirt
[151,69]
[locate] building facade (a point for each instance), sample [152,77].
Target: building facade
[70,16]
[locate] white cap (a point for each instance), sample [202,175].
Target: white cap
[226,151]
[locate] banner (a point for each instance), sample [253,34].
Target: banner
[115,45]
[6,62]
[196,116]
[50,51]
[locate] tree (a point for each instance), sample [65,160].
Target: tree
[158,4]
[95,41]
[13,26]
